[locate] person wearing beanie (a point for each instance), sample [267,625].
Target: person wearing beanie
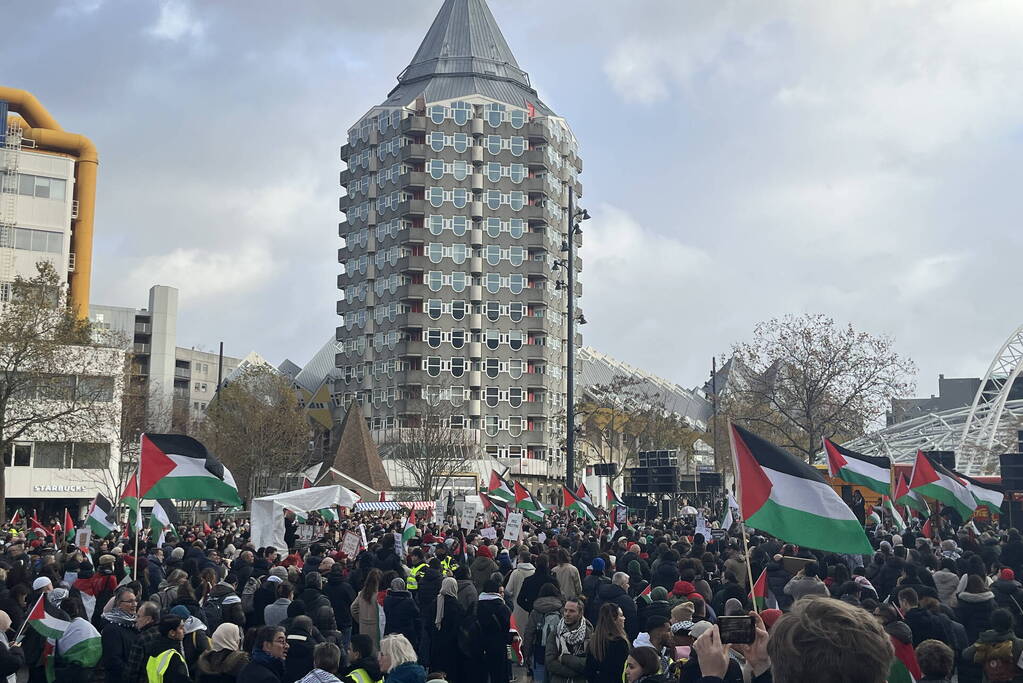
[401,614]
[481,567]
[1008,593]
[657,606]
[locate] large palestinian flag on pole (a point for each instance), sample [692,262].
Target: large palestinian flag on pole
[80,645]
[934,481]
[101,517]
[612,498]
[500,489]
[179,467]
[784,496]
[897,521]
[576,505]
[874,473]
[990,496]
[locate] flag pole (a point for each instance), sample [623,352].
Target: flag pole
[749,567]
[138,510]
[21,630]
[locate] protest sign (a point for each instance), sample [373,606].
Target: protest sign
[513,529]
[350,544]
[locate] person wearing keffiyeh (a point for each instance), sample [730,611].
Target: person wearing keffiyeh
[119,634]
[565,658]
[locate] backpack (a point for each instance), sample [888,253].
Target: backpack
[547,626]
[214,613]
[997,660]
[249,593]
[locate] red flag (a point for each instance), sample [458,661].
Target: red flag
[759,593]
[69,524]
[531,110]
[521,493]
[206,529]
[36,526]
[383,497]
[16,519]
[905,654]
[927,530]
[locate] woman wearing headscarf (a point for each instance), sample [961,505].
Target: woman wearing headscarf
[448,616]
[11,656]
[224,660]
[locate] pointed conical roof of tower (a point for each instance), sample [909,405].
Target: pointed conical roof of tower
[357,455]
[464,53]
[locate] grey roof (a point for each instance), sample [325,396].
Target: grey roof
[599,368]
[319,367]
[289,368]
[464,53]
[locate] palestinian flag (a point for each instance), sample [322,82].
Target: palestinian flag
[328,514]
[582,494]
[576,505]
[101,517]
[897,521]
[729,519]
[904,668]
[500,489]
[646,592]
[48,621]
[874,473]
[409,531]
[874,516]
[37,529]
[495,506]
[789,499]
[164,516]
[612,498]
[988,495]
[934,481]
[515,649]
[69,525]
[524,500]
[904,496]
[19,516]
[179,467]
[80,645]
[309,475]
[130,499]
[758,596]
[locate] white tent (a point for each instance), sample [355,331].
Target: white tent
[268,511]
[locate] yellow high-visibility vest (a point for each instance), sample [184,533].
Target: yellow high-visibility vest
[157,666]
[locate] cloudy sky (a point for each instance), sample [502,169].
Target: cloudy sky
[743,160]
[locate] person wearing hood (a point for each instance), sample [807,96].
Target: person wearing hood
[975,605]
[312,597]
[513,584]
[401,614]
[268,656]
[154,568]
[340,593]
[542,622]
[448,615]
[195,641]
[164,654]
[302,639]
[224,660]
[567,575]
[119,634]
[363,662]
[387,559]
[494,619]
[997,649]
[468,596]
[945,582]
[482,567]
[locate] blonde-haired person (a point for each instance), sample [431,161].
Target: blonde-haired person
[398,660]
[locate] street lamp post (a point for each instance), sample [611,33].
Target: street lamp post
[574,217]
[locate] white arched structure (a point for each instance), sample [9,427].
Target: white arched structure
[982,438]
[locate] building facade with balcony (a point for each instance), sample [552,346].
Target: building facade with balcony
[455,203]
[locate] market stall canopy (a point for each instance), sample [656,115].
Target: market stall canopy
[268,511]
[396,505]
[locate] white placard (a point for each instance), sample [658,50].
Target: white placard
[350,544]
[489,532]
[83,537]
[438,512]
[542,537]
[305,532]
[513,529]
[362,533]
[398,544]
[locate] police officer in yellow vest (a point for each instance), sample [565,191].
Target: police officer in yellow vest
[165,661]
[416,572]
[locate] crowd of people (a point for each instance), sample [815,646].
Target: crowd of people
[570,601]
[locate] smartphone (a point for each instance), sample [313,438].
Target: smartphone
[737,629]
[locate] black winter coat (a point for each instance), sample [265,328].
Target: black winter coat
[612,593]
[11,659]
[341,595]
[444,652]
[1012,555]
[402,616]
[974,610]
[117,641]
[429,588]
[258,671]
[665,575]
[386,560]
[494,619]
[530,589]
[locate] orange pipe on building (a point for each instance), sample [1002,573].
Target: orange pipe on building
[39,126]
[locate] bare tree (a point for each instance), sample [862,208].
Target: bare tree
[804,377]
[56,382]
[257,428]
[436,448]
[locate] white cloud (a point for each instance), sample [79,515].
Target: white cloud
[204,276]
[176,21]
